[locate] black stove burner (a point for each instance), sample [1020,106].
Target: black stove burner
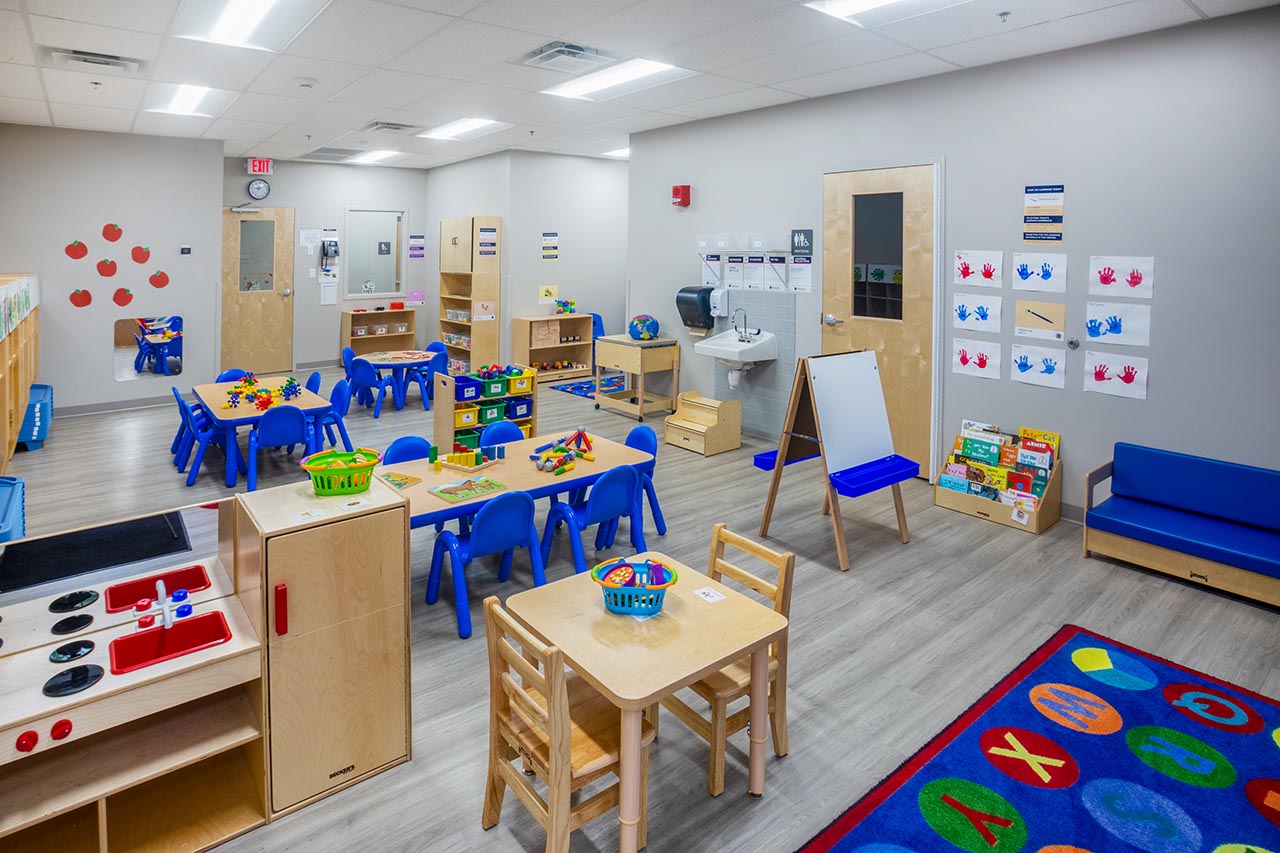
[72,624]
[71,651]
[73,601]
[73,680]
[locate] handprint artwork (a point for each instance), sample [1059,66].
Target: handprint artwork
[976,313]
[978,268]
[1094,328]
[964,269]
[976,358]
[1114,325]
[1132,374]
[1033,365]
[982,359]
[1128,374]
[1134,279]
[1024,272]
[1106,272]
[1049,366]
[982,312]
[988,271]
[1023,364]
[1119,323]
[962,311]
[1046,271]
[964,356]
[1100,373]
[1040,271]
[1106,275]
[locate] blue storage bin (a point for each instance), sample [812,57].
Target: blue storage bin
[35,425]
[13,508]
[519,407]
[466,388]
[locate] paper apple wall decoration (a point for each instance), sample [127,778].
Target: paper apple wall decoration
[141,254]
[81,298]
[111,232]
[122,297]
[76,250]
[159,279]
[106,269]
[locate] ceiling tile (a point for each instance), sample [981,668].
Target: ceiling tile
[364,32]
[981,18]
[236,147]
[203,63]
[857,47]
[278,150]
[14,5]
[464,99]
[548,17]
[421,161]
[752,99]
[14,44]
[444,7]
[339,115]
[281,76]
[464,48]
[91,118]
[781,29]
[94,38]
[21,111]
[164,124]
[383,88]
[1114,22]
[636,124]
[296,134]
[534,108]
[1230,7]
[595,146]
[651,24]
[872,74]
[148,16]
[682,91]
[70,87]
[586,115]
[20,81]
[230,128]
[512,76]
[273,108]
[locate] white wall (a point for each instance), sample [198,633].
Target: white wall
[1166,146]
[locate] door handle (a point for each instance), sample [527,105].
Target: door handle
[286,293]
[830,320]
[282,609]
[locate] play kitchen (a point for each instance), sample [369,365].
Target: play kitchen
[208,651]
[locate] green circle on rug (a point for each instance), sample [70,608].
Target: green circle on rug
[1239,848]
[1180,756]
[972,817]
[1114,669]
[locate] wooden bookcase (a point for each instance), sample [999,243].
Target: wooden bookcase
[538,340]
[470,278]
[443,424]
[371,341]
[1047,512]
[19,359]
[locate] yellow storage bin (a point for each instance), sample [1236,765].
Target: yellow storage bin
[466,416]
[525,428]
[521,384]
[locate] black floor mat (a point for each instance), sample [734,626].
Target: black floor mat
[66,555]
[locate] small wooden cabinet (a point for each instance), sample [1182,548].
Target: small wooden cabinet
[377,331]
[470,280]
[704,425]
[538,341]
[636,359]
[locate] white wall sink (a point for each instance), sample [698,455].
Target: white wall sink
[737,354]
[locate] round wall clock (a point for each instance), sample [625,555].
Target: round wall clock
[259,189]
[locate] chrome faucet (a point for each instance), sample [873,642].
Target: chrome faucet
[744,334]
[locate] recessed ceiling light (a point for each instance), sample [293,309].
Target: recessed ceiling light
[371,157]
[617,80]
[238,20]
[465,128]
[846,9]
[186,99]
[620,153]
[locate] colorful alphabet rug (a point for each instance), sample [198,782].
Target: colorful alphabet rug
[1088,746]
[612,382]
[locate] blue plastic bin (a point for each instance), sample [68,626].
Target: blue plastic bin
[35,425]
[466,388]
[519,407]
[13,508]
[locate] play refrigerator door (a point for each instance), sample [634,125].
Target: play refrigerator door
[336,658]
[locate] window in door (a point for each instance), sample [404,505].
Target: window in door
[877,255]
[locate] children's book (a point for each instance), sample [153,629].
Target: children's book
[1050,438]
[399,481]
[463,490]
[967,424]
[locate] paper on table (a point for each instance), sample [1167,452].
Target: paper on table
[1117,375]
[1037,271]
[976,313]
[1044,366]
[1118,323]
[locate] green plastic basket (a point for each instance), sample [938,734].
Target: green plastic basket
[335,472]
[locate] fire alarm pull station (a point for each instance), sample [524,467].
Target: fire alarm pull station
[680,195]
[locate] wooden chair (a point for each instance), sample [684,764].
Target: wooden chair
[733,682]
[558,725]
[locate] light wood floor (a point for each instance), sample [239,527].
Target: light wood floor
[881,658]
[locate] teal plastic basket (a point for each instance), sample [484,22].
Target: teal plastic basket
[643,599]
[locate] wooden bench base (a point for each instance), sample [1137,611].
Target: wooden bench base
[1196,569]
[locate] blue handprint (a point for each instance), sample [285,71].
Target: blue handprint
[1023,364]
[983,312]
[1094,328]
[962,312]
[1113,325]
[1046,271]
[1024,272]
[1049,365]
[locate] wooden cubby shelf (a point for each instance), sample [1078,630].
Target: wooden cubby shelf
[19,361]
[470,278]
[373,342]
[444,427]
[538,340]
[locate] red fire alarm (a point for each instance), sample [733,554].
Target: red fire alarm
[680,195]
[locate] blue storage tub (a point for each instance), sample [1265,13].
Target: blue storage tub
[13,508]
[519,407]
[466,388]
[35,425]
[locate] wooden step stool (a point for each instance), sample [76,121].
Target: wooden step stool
[704,425]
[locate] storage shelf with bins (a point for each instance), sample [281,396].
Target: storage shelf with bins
[371,340]
[537,340]
[19,358]
[470,277]
[445,428]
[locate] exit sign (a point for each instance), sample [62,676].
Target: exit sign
[258,167]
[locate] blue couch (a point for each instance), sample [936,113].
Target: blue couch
[1216,523]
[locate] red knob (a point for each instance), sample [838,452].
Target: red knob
[27,741]
[61,729]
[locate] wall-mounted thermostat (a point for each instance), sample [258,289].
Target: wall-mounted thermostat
[186,250]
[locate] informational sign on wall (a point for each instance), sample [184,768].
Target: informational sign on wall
[548,293]
[1042,213]
[488,241]
[550,246]
[417,247]
[1046,320]
[800,274]
[802,241]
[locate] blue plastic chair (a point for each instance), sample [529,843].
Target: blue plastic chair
[614,495]
[175,352]
[643,438]
[425,376]
[406,448]
[348,356]
[280,426]
[502,525]
[313,382]
[436,346]
[365,380]
[184,438]
[202,433]
[145,354]
[339,401]
[500,432]
[234,374]
[597,331]
[174,324]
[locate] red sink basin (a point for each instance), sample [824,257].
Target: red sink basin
[144,648]
[123,596]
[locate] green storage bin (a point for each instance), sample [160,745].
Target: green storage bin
[493,387]
[467,438]
[492,412]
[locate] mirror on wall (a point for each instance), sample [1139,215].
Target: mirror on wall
[147,346]
[877,255]
[257,254]
[373,253]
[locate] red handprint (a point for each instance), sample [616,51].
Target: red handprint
[988,271]
[964,356]
[1100,373]
[981,359]
[1106,275]
[1134,279]
[1129,374]
[965,269]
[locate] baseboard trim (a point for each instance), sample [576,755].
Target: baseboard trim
[113,406]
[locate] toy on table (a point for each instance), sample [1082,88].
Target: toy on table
[566,306]
[559,456]
[634,589]
[643,327]
[464,458]
[247,389]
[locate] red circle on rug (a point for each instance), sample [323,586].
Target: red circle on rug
[1203,704]
[1264,795]
[1029,757]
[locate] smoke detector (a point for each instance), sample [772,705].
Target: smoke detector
[97,63]
[306,82]
[566,57]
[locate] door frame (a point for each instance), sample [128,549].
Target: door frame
[940,311]
[246,207]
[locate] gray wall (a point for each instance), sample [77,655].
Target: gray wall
[64,185]
[1166,146]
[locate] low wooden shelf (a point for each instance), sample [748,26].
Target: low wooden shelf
[19,357]
[370,342]
[537,340]
[704,425]
[1048,508]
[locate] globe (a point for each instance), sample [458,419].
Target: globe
[643,327]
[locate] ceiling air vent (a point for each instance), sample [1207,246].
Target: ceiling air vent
[332,155]
[83,60]
[566,57]
[394,127]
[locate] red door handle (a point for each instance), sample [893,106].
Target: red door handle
[282,610]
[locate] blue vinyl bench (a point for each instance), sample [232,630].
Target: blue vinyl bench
[1212,522]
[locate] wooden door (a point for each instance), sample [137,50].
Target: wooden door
[446,245]
[885,304]
[257,290]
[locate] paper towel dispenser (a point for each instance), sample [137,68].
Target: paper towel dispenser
[694,304]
